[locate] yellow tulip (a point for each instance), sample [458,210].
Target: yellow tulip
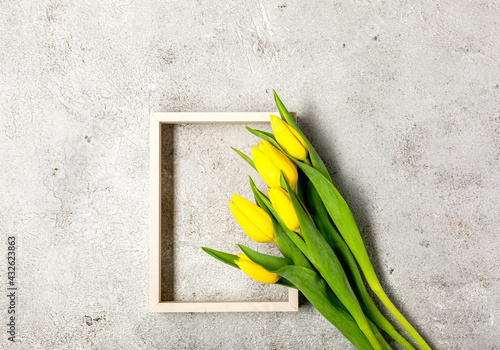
[283,205]
[255,271]
[289,139]
[252,219]
[269,161]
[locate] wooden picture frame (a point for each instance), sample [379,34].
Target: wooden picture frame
[155,302]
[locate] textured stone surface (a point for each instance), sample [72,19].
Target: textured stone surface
[199,172]
[401,99]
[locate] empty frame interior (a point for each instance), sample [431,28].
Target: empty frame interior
[193,173]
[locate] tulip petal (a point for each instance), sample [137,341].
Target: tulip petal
[266,169]
[287,240]
[281,162]
[255,271]
[289,140]
[276,155]
[256,215]
[285,244]
[283,205]
[315,158]
[247,225]
[269,262]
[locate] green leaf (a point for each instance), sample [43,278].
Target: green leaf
[245,157]
[342,217]
[287,247]
[316,160]
[321,297]
[346,225]
[230,258]
[268,262]
[277,224]
[224,257]
[302,186]
[326,227]
[257,196]
[328,265]
[265,136]
[268,134]
[285,283]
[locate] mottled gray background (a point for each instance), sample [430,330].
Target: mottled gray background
[402,100]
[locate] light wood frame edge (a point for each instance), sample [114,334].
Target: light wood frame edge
[155,303]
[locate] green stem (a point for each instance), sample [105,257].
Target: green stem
[326,227]
[326,302]
[323,258]
[371,338]
[377,289]
[379,336]
[342,217]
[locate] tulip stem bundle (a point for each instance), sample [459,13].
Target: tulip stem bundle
[317,235]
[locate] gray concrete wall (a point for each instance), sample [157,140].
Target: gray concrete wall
[401,99]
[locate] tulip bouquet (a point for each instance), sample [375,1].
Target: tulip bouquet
[309,221]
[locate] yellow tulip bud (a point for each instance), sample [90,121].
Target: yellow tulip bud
[269,161]
[289,139]
[284,207]
[252,219]
[255,271]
